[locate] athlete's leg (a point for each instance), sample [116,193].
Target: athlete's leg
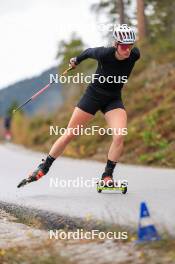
[78,118]
[117,119]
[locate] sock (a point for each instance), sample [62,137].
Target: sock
[48,162]
[110,166]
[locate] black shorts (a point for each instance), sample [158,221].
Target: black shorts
[92,101]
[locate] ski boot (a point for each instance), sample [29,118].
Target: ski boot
[107,180]
[36,175]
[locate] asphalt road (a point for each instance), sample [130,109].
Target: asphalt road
[154,186]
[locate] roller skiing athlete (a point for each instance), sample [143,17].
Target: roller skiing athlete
[113,62]
[7,127]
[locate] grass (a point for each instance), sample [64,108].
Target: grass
[44,254]
[47,251]
[158,252]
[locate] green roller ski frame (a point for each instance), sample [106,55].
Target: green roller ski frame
[123,188]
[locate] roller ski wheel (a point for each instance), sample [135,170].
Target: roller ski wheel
[99,190]
[124,188]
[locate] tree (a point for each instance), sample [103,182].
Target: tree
[121,11]
[141,21]
[161,20]
[114,9]
[13,106]
[67,50]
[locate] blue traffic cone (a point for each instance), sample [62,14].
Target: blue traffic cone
[146,229]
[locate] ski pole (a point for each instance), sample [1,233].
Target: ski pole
[40,91]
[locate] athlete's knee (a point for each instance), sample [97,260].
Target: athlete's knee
[69,135]
[118,140]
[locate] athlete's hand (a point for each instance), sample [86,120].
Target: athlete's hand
[73,63]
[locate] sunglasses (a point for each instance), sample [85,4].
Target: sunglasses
[125,46]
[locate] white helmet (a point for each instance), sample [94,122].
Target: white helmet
[124,34]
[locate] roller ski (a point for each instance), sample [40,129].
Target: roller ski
[36,175]
[107,184]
